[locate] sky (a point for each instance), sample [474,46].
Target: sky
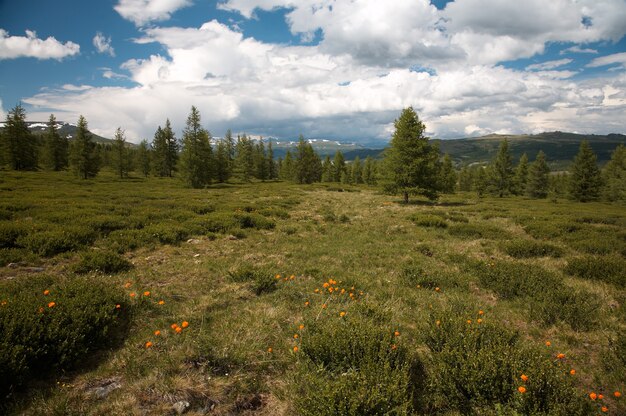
[334,69]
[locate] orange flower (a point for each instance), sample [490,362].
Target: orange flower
[178,330]
[343,291]
[437,322]
[572,371]
[342,314]
[270,350]
[157,332]
[419,286]
[185,324]
[593,396]
[292,277]
[301,327]
[480,321]
[148,344]
[41,309]
[132,295]
[394,347]
[4,302]
[146,293]
[600,397]
[521,389]
[278,276]
[604,409]
[437,289]
[524,377]
[330,290]
[560,356]
[548,343]
[617,394]
[161,302]
[46,292]
[127,285]
[295,349]
[306,303]
[51,305]
[296,336]
[469,321]
[324,306]
[326,285]
[317,291]
[480,312]
[118,306]
[174,326]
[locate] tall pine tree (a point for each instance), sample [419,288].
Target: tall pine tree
[411,162]
[19,146]
[121,156]
[538,177]
[585,180]
[144,156]
[55,147]
[520,179]
[447,176]
[615,176]
[196,157]
[339,166]
[84,153]
[501,171]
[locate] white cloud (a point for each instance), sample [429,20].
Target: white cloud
[30,46]
[103,44]
[549,64]
[616,58]
[142,12]
[577,49]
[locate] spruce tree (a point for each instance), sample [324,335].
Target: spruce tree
[356,175]
[287,168]
[244,161]
[143,156]
[159,153]
[501,171]
[307,164]
[538,177]
[369,171]
[327,170]
[271,165]
[55,147]
[585,180]
[84,153]
[260,161]
[196,157]
[447,176]
[171,158]
[221,162]
[411,162]
[230,151]
[19,146]
[615,176]
[121,156]
[465,179]
[520,179]
[481,180]
[339,166]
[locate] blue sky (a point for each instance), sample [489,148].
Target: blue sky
[335,69]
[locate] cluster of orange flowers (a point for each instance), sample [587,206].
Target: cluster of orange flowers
[286,278]
[332,287]
[146,294]
[41,309]
[175,327]
[598,397]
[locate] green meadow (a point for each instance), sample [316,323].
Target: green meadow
[273,298]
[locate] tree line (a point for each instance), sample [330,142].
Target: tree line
[411,165]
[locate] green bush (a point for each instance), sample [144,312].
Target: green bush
[550,229]
[104,224]
[425,220]
[610,269]
[578,308]
[476,367]
[262,281]
[103,262]
[57,240]
[472,231]
[251,220]
[601,244]
[352,366]
[15,255]
[512,280]
[275,212]
[39,337]
[128,240]
[521,249]
[10,232]
[167,232]
[218,222]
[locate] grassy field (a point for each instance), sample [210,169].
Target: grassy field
[312,300]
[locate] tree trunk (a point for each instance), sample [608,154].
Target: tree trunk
[406,197]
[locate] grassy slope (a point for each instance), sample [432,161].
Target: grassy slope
[362,239]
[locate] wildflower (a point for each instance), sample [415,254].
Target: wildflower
[437,322]
[174,326]
[396,333]
[437,289]
[593,396]
[617,394]
[277,277]
[394,347]
[419,286]
[301,327]
[524,378]
[548,343]
[292,277]
[146,293]
[326,284]
[133,294]
[161,302]
[178,330]
[46,292]
[324,306]
[317,291]
[600,397]
[295,349]
[118,306]
[41,309]
[296,336]
[469,321]
[343,291]
[330,290]
[604,409]
[521,389]
[157,332]
[51,305]
[270,350]
[342,314]
[127,285]
[4,302]
[572,371]
[560,356]
[480,321]
[148,344]
[480,312]
[306,303]
[185,324]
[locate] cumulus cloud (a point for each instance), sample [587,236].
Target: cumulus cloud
[141,12]
[616,58]
[31,46]
[103,44]
[578,49]
[549,64]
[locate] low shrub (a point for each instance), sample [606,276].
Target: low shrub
[579,308]
[610,269]
[16,255]
[104,224]
[472,231]
[275,212]
[166,232]
[262,281]
[102,261]
[57,240]
[41,334]
[256,221]
[550,229]
[353,366]
[122,241]
[218,222]
[426,220]
[10,232]
[522,249]
[601,244]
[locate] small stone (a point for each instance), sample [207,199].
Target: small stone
[181,407]
[103,391]
[196,255]
[34,269]
[13,265]
[232,237]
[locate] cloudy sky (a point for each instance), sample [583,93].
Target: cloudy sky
[340,69]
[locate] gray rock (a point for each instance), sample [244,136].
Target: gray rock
[181,407]
[106,389]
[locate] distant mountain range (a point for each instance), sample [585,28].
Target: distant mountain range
[559,147]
